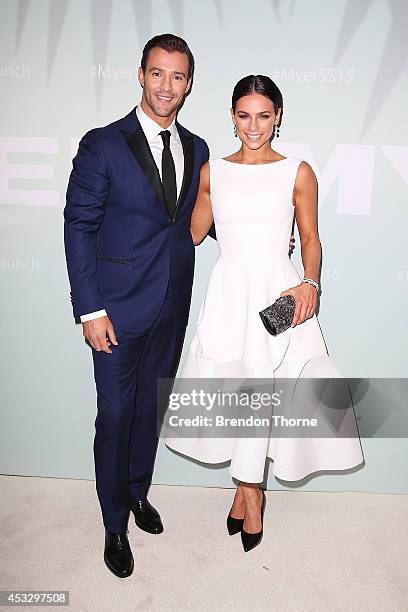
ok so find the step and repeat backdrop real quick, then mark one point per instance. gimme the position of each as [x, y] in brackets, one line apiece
[67, 66]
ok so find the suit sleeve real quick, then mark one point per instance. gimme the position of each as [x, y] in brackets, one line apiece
[86, 197]
[211, 231]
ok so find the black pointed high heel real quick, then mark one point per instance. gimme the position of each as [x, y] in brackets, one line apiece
[250, 540]
[234, 525]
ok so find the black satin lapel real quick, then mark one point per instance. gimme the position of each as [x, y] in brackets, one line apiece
[188, 153]
[140, 148]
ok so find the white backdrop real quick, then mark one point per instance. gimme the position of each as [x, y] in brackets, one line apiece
[70, 65]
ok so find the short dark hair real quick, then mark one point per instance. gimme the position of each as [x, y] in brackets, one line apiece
[258, 84]
[170, 43]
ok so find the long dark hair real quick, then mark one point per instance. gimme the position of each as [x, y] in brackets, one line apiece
[258, 83]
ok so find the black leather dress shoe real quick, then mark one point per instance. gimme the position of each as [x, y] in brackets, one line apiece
[146, 516]
[118, 556]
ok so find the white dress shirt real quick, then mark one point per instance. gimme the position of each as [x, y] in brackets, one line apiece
[152, 131]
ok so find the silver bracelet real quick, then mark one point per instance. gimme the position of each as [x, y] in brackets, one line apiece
[311, 282]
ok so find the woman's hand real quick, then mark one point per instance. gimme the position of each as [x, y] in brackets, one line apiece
[306, 301]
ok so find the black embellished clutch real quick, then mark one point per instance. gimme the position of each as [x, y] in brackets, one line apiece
[278, 317]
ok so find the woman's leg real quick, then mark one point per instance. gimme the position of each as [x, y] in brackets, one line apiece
[247, 505]
[238, 505]
[252, 495]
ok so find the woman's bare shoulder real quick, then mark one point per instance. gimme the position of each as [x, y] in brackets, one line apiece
[305, 175]
[305, 169]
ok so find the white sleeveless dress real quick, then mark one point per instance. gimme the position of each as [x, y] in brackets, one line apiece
[253, 213]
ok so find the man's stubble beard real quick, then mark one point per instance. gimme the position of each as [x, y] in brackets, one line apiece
[150, 101]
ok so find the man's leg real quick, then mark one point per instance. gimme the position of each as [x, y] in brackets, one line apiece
[159, 359]
[116, 377]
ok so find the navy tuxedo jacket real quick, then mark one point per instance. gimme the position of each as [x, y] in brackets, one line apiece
[122, 245]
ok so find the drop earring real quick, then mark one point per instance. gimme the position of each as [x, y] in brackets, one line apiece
[276, 131]
[235, 131]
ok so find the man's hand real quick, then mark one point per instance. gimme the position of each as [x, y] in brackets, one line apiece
[291, 244]
[99, 333]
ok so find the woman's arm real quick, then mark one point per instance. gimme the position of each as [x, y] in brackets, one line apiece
[305, 201]
[305, 195]
[202, 217]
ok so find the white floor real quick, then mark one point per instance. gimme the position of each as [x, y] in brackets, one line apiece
[320, 551]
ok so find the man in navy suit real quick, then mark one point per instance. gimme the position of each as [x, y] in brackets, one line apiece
[130, 260]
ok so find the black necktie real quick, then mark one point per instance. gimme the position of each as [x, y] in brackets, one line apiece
[168, 174]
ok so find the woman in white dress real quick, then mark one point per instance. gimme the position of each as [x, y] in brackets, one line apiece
[252, 197]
